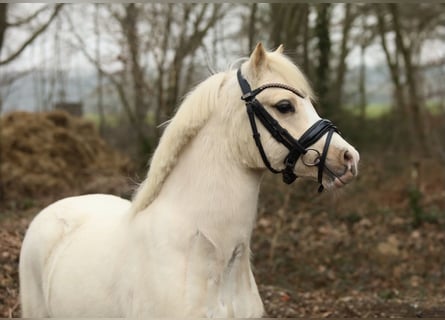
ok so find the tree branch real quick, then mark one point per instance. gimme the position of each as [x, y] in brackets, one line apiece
[33, 37]
[120, 87]
[27, 19]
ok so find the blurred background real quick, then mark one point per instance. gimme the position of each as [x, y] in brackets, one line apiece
[85, 87]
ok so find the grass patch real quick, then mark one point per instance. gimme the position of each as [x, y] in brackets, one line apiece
[114, 120]
[372, 111]
[111, 120]
[435, 107]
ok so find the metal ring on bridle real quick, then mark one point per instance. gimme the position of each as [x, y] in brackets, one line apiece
[317, 158]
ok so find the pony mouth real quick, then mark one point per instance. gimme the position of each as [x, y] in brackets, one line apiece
[334, 177]
[339, 180]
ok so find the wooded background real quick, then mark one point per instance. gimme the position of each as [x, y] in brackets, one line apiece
[373, 249]
[136, 61]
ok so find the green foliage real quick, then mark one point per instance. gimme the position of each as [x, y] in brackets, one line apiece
[111, 120]
[351, 217]
[420, 213]
[415, 197]
[147, 147]
[23, 205]
[387, 294]
[372, 110]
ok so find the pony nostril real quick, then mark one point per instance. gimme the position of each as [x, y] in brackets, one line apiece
[348, 157]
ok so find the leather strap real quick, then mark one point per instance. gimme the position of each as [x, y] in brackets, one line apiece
[296, 147]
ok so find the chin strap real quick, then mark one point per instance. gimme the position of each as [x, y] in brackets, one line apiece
[296, 147]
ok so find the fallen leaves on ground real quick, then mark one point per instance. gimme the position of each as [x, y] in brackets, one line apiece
[370, 250]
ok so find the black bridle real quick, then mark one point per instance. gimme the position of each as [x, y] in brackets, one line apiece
[296, 147]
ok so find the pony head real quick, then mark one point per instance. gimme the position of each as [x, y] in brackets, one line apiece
[216, 104]
[282, 91]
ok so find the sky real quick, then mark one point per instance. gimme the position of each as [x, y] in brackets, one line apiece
[52, 50]
[42, 50]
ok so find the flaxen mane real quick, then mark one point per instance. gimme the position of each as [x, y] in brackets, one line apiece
[189, 119]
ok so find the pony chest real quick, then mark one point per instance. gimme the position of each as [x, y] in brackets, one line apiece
[217, 283]
[207, 280]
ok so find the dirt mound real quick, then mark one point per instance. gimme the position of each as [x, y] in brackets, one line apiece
[53, 154]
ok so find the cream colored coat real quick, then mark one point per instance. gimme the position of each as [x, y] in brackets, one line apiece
[181, 248]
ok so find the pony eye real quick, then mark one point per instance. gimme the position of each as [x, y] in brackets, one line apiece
[285, 106]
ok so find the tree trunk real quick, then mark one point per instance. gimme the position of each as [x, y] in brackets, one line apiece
[160, 64]
[362, 85]
[252, 28]
[139, 88]
[288, 21]
[306, 66]
[276, 18]
[414, 101]
[2, 190]
[399, 112]
[3, 22]
[344, 51]
[324, 55]
[3, 26]
[100, 104]
[188, 43]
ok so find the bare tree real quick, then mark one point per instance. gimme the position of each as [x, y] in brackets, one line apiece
[252, 26]
[410, 72]
[288, 26]
[100, 103]
[5, 25]
[410, 26]
[197, 20]
[322, 70]
[365, 36]
[169, 36]
[132, 94]
[305, 41]
[362, 75]
[129, 22]
[3, 22]
[349, 17]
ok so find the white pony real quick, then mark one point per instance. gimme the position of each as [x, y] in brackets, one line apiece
[182, 246]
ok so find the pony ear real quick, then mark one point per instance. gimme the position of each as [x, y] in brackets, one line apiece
[258, 56]
[280, 49]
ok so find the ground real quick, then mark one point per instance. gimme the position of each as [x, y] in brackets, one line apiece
[374, 249]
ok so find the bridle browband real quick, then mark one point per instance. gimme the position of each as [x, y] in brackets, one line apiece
[296, 147]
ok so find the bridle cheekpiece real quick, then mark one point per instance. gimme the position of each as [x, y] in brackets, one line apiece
[297, 147]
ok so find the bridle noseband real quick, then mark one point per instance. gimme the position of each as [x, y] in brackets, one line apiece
[296, 147]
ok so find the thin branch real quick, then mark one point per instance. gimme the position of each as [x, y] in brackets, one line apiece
[393, 67]
[27, 19]
[33, 37]
[110, 76]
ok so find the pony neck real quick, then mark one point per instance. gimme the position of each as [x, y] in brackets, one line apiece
[210, 189]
